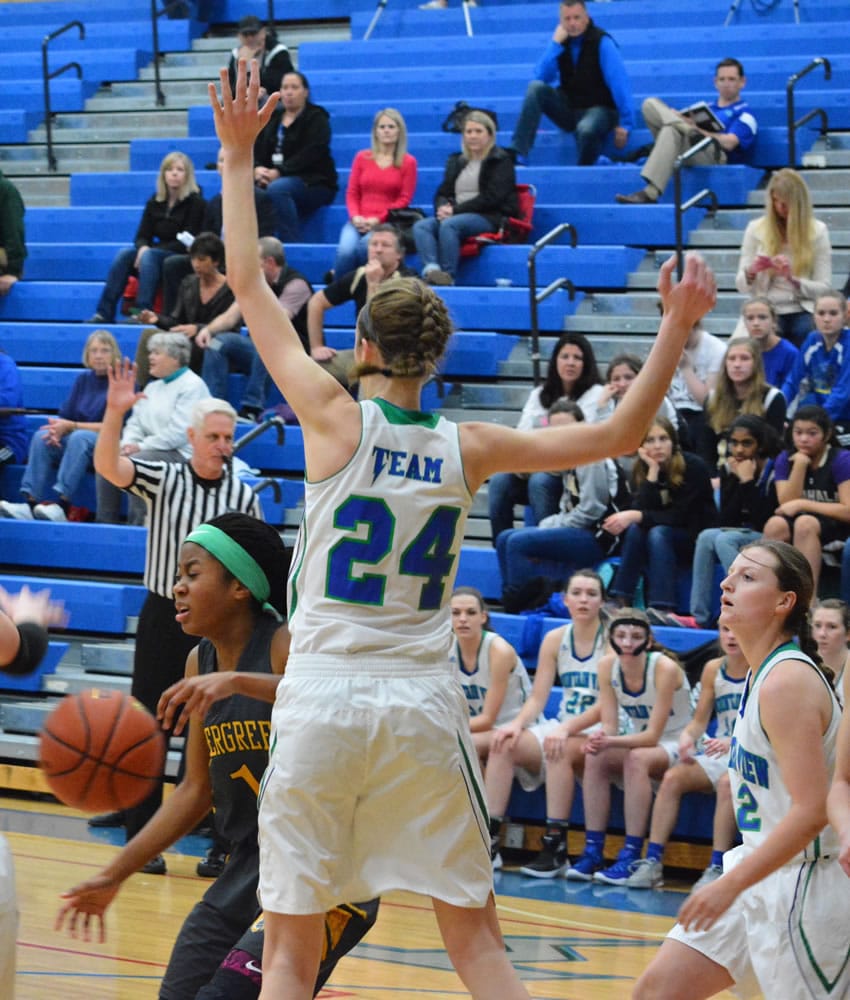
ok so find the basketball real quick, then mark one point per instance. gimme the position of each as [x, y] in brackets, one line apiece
[101, 751]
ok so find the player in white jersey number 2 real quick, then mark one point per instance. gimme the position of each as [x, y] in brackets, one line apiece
[775, 923]
[372, 778]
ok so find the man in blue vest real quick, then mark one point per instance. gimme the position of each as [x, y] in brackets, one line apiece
[591, 96]
[728, 120]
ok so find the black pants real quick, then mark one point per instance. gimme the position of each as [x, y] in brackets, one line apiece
[159, 661]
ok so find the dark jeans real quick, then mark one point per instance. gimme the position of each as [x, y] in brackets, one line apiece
[231, 352]
[590, 125]
[505, 490]
[293, 201]
[796, 326]
[553, 553]
[150, 274]
[657, 554]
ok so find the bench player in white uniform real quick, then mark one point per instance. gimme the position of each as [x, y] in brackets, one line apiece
[653, 691]
[703, 767]
[372, 778]
[830, 620]
[775, 923]
[490, 671]
[551, 749]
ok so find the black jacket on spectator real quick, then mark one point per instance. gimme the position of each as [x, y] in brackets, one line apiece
[160, 225]
[497, 198]
[747, 505]
[690, 506]
[266, 215]
[306, 147]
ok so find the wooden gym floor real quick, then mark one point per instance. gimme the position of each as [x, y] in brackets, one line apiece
[569, 941]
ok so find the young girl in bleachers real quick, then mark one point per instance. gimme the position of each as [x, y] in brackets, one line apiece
[653, 691]
[813, 487]
[702, 767]
[551, 749]
[761, 322]
[493, 676]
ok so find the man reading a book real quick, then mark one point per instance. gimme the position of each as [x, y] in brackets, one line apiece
[728, 120]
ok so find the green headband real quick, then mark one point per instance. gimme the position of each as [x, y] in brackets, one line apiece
[235, 559]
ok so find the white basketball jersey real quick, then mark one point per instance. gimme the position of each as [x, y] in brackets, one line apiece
[759, 795]
[476, 683]
[578, 675]
[638, 705]
[377, 551]
[727, 698]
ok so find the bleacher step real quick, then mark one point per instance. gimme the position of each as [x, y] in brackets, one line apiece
[108, 658]
[23, 749]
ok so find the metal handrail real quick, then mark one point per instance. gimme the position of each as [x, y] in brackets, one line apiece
[793, 125]
[47, 77]
[255, 432]
[155, 16]
[534, 298]
[269, 483]
[681, 207]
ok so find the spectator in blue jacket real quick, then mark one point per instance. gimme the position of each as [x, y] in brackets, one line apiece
[580, 83]
[675, 132]
[821, 373]
[761, 322]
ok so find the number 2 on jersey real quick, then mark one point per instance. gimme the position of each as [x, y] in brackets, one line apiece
[429, 555]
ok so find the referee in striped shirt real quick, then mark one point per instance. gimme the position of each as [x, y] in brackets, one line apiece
[179, 496]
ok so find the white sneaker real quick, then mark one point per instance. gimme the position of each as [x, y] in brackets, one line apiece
[433, 5]
[711, 874]
[646, 874]
[17, 511]
[49, 512]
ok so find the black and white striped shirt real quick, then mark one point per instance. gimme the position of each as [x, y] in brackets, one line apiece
[179, 500]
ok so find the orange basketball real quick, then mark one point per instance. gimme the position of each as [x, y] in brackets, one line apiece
[101, 751]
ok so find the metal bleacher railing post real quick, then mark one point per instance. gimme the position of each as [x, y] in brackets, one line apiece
[534, 298]
[793, 125]
[681, 207]
[47, 77]
[381, 7]
[155, 16]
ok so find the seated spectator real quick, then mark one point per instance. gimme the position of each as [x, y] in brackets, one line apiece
[653, 691]
[702, 766]
[580, 84]
[813, 488]
[205, 304]
[786, 255]
[382, 178]
[67, 441]
[821, 373]
[830, 628]
[13, 248]
[747, 500]
[292, 157]
[534, 561]
[761, 322]
[535, 749]
[571, 374]
[170, 221]
[385, 262]
[258, 41]
[156, 429]
[696, 376]
[675, 132]
[672, 501]
[489, 669]
[477, 191]
[231, 352]
[179, 266]
[13, 427]
[740, 388]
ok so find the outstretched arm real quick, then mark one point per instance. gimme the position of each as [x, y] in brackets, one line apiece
[317, 398]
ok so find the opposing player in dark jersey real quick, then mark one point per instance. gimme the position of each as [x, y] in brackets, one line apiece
[230, 589]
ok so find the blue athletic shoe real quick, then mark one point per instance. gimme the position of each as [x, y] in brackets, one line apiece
[620, 871]
[583, 869]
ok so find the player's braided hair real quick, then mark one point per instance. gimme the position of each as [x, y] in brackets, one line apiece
[409, 324]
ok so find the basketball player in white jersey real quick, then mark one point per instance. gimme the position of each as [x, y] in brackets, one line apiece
[775, 923]
[551, 750]
[372, 778]
[702, 767]
[490, 670]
